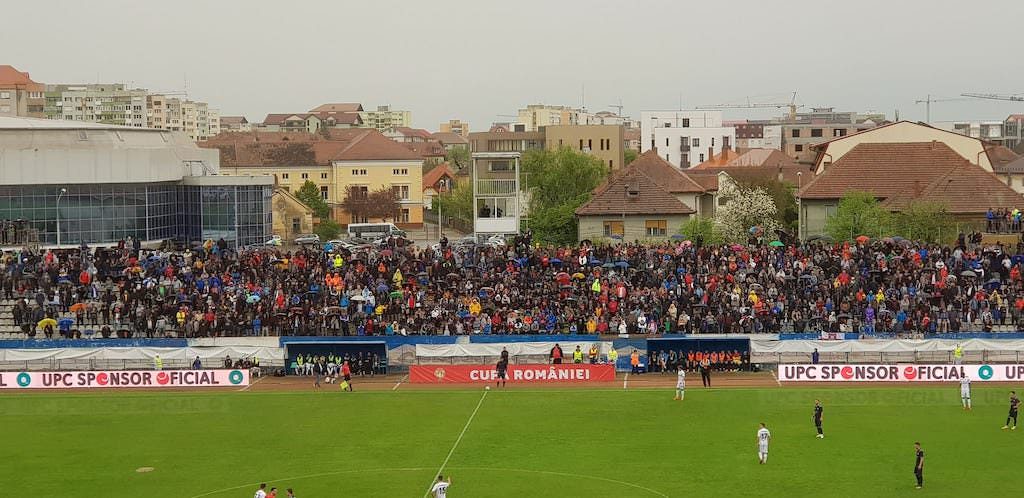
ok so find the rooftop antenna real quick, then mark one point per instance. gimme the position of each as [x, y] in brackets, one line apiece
[618, 108]
[680, 101]
[583, 96]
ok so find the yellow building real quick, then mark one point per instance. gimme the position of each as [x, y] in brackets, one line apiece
[333, 161]
[456, 126]
[603, 141]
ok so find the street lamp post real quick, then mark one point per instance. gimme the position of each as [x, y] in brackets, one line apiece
[799, 206]
[61, 194]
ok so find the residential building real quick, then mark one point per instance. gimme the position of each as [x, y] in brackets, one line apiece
[97, 103]
[499, 139]
[405, 134]
[603, 141]
[75, 182]
[438, 180]
[234, 123]
[385, 117]
[535, 116]
[755, 164]
[758, 136]
[450, 140]
[685, 138]
[498, 201]
[610, 118]
[195, 119]
[290, 216]
[973, 150]
[338, 107]
[456, 126]
[1009, 132]
[1013, 132]
[334, 160]
[899, 173]
[1012, 174]
[631, 139]
[820, 125]
[648, 199]
[19, 95]
[432, 152]
[310, 122]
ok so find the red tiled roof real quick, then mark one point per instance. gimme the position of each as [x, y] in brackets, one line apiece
[338, 107]
[449, 138]
[12, 78]
[350, 118]
[721, 159]
[426, 149]
[900, 172]
[1000, 156]
[413, 132]
[337, 144]
[664, 173]
[433, 176]
[707, 178]
[374, 146]
[612, 197]
[631, 134]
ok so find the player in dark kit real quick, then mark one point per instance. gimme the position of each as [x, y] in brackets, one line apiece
[817, 418]
[502, 369]
[919, 464]
[1014, 403]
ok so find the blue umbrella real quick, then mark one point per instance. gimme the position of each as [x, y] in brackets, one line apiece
[555, 261]
[678, 237]
[594, 262]
[253, 299]
[621, 264]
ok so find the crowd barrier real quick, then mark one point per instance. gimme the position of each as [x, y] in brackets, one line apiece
[124, 379]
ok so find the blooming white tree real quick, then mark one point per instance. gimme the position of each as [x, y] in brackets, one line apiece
[741, 208]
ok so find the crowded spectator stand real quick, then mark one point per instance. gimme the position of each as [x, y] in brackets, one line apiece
[886, 286]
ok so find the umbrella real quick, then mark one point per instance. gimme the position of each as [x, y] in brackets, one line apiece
[756, 287]
[421, 274]
[578, 276]
[968, 273]
[616, 237]
[621, 264]
[843, 316]
[66, 322]
[862, 239]
[678, 237]
[395, 294]
[75, 308]
[992, 284]
[776, 243]
[46, 321]
[736, 247]
[594, 262]
[565, 287]
[555, 261]
[358, 298]
[608, 265]
[333, 310]
[253, 299]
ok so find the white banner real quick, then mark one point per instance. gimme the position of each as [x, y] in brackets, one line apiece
[899, 373]
[885, 346]
[123, 379]
[514, 349]
[832, 336]
[204, 353]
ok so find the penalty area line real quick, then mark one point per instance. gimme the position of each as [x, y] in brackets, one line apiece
[625, 381]
[458, 440]
[776, 377]
[253, 383]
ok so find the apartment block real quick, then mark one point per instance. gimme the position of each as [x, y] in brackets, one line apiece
[97, 103]
[685, 138]
[536, 116]
[385, 117]
[19, 95]
[195, 119]
[456, 126]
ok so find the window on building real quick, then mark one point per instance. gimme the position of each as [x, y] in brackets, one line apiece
[402, 191]
[305, 176]
[656, 228]
[798, 148]
[666, 142]
[358, 172]
[590, 144]
[613, 228]
[323, 176]
[296, 225]
[611, 164]
[712, 141]
[400, 171]
[5, 95]
[284, 176]
[839, 132]
[702, 158]
[404, 217]
[324, 193]
[360, 191]
[815, 132]
[685, 161]
[796, 132]
[695, 142]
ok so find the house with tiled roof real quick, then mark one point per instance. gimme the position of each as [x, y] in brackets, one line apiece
[438, 180]
[450, 140]
[900, 173]
[334, 160]
[407, 135]
[19, 95]
[754, 164]
[310, 122]
[432, 152]
[648, 199]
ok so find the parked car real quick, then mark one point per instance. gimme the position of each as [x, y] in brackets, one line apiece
[307, 239]
[274, 241]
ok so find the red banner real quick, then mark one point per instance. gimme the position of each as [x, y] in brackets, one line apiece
[472, 374]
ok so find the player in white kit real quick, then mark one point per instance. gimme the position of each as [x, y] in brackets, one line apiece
[440, 489]
[965, 392]
[763, 437]
[681, 383]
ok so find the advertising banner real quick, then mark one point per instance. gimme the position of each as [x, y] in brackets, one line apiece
[900, 373]
[124, 379]
[468, 374]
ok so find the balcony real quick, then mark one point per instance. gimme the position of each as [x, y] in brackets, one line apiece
[495, 187]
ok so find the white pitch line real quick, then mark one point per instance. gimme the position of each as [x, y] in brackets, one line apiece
[625, 381]
[253, 383]
[400, 381]
[457, 441]
[777, 381]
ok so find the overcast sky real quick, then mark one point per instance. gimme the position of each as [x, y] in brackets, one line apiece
[477, 60]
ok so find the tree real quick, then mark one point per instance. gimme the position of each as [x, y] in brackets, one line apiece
[309, 194]
[630, 155]
[458, 158]
[858, 214]
[327, 229]
[926, 221]
[456, 204]
[384, 203]
[743, 207]
[559, 182]
[356, 202]
[781, 192]
[697, 227]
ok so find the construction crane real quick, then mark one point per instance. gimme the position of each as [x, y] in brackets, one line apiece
[995, 96]
[927, 101]
[791, 105]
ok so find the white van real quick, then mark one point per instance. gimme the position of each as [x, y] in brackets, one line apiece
[371, 231]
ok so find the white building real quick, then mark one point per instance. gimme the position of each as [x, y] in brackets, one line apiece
[536, 116]
[685, 138]
[97, 103]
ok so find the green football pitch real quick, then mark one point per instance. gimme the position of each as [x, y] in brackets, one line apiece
[514, 443]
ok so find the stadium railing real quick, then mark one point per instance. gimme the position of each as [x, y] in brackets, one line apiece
[974, 356]
[95, 364]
